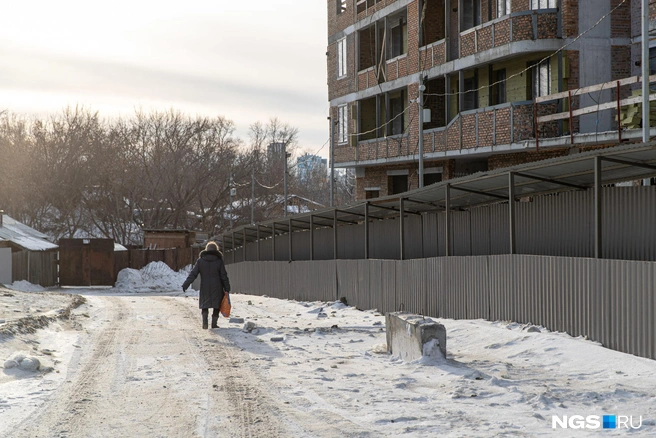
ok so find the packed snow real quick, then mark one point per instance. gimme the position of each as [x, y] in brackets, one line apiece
[25, 286]
[328, 363]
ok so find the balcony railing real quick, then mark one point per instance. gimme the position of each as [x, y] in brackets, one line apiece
[484, 127]
[518, 26]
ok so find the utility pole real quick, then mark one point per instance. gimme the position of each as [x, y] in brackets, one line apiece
[253, 195]
[422, 88]
[332, 162]
[230, 189]
[284, 150]
[645, 70]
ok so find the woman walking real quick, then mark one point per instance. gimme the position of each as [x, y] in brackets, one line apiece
[213, 282]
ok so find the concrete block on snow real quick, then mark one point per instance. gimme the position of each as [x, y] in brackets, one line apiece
[408, 333]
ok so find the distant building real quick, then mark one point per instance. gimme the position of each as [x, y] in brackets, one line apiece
[307, 164]
[276, 150]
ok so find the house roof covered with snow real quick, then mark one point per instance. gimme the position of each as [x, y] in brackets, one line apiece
[21, 235]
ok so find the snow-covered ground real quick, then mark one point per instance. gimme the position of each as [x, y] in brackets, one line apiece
[326, 366]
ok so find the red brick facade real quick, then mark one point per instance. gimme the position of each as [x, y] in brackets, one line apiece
[474, 134]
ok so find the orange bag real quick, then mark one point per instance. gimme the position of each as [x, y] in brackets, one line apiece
[225, 305]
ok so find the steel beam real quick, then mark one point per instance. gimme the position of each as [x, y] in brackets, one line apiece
[401, 230]
[447, 239]
[511, 210]
[550, 180]
[311, 237]
[366, 230]
[290, 240]
[597, 208]
[335, 234]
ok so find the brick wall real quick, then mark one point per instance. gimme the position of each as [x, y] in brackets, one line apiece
[342, 86]
[547, 26]
[338, 22]
[620, 24]
[572, 82]
[377, 176]
[520, 5]
[522, 28]
[570, 18]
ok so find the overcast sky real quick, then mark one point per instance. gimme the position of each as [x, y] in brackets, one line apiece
[245, 60]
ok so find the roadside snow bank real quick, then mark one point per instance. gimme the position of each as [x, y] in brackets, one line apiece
[155, 276]
[25, 286]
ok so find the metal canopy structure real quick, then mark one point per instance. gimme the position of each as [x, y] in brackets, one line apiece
[581, 171]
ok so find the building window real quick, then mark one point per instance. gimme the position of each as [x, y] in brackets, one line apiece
[498, 94]
[342, 117]
[371, 193]
[398, 184]
[543, 4]
[503, 8]
[341, 58]
[432, 178]
[398, 36]
[652, 60]
[397, 106]
[341, 6]
[471, 14]
[540, 79]
[470, 98]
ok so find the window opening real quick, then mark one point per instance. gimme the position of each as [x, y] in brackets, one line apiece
[503, 8]
[371, 194]
[541, 79]
[432, 178]
[341, 6]
[470, 98]
[543, 4]
[498, 95]
[471, 14]
[342, 117]
[341, 58]
[397, 113]
[398, 183]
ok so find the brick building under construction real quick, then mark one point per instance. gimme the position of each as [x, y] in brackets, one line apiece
[486, 66]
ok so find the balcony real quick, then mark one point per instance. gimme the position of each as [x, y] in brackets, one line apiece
[519, 26]
[470, 132]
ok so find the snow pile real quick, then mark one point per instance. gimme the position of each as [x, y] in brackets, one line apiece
[23, 362]
[156, 276]
[25, 286]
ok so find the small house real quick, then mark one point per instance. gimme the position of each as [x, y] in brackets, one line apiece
[26, 254]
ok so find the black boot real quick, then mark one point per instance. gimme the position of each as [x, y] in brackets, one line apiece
[204, 313]
[215, 321]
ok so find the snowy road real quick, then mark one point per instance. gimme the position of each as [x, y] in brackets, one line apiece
[139, 365]
[147, 369]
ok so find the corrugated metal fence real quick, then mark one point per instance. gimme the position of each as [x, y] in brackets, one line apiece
[610, 301]
[561, 224]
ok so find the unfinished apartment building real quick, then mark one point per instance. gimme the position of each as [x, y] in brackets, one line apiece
[486, 66]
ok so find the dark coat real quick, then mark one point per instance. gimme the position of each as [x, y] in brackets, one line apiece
[213, 279]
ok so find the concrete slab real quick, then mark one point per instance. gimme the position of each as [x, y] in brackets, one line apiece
[408, 333]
